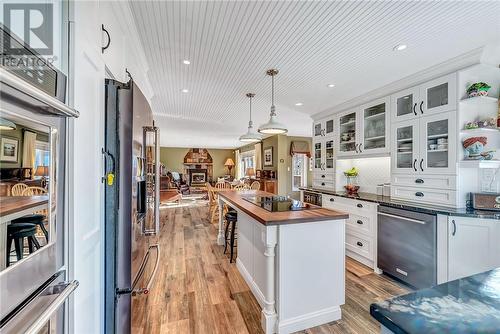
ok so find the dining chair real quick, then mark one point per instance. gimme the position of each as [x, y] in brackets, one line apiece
[223, 185]
[17, 189]
[240, 187]
[255, 185]
[34, 191]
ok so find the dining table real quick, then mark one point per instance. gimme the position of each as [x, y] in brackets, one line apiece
[13, 207]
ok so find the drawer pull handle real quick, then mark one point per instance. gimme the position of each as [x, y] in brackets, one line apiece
[419, 181]
[360, 222]
[323, 176]
[419, 194]
[359, 243]
[359, 205]
[322, 183]
[332, 199]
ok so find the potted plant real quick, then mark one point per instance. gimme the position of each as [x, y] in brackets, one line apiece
[478, 89]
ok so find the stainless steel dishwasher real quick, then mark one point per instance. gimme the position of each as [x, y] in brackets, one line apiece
[406, 246]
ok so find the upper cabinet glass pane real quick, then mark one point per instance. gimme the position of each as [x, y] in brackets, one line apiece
[348, 132]
[404, 105]
[317, 129]
[437, 96]
[329, 126]
[404, 157]
[26, 164]
[317, 155]
[437, 144]
[329, 157]
[374, 127]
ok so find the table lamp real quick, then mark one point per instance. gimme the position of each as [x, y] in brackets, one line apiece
[42, 171]
[250, 172]
[229, 164]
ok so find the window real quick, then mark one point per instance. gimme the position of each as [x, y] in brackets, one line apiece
[247, 160]
[299, 171]
[42, 154]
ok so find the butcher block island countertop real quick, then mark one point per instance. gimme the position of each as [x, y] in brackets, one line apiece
[274, 218]
[293, 261]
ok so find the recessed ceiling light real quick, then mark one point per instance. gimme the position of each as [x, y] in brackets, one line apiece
[185, 90]
[186, 62]
[400, 47]
[298, 104]
[330, 85]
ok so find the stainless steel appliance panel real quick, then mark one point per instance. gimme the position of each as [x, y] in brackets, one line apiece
[406, 246]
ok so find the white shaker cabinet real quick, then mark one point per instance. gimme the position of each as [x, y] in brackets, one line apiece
[473, 246]
[435, 96]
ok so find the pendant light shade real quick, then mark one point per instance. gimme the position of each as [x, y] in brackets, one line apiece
[273, 126]
[251, 136]
[5, 124]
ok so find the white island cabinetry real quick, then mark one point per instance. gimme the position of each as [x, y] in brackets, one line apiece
[294, 263]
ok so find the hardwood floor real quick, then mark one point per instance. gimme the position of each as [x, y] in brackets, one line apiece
[198, 291]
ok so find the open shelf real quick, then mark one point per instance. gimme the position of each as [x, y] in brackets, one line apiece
[438, 150]
[480, 130]
[479, 100]
[480, 163]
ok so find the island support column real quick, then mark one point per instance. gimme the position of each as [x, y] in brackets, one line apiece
[221, 240]
[269, 315]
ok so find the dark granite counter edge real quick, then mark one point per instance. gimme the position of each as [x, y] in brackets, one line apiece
[385, 321]
[423, 208]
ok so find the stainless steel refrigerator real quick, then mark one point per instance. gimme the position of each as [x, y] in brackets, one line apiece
[132, 217]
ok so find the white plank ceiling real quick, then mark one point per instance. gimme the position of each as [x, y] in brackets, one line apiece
[230, 44]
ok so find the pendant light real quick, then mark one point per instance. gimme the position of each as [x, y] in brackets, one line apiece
[5, 124]
[273, 126]
[250, 136]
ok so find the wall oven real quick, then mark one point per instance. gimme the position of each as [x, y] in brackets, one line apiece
[33, 255]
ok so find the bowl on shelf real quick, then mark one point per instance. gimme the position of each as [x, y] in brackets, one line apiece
[433, 146]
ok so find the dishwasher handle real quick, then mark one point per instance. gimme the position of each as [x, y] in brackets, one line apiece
[403, 218]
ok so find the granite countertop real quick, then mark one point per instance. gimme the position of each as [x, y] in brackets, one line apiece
[467, 305]
[424, 208]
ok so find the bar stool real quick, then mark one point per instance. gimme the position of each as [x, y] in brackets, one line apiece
[17, 233]
[37, 219]
[231, 218]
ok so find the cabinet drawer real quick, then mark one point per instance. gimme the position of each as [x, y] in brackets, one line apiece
[359, 245]
[356, 205]
[425, 195]
[425, 181]
[360, 224]
[323, 176]
[323, 184]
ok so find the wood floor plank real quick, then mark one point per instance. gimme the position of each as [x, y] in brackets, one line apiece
[197, 290]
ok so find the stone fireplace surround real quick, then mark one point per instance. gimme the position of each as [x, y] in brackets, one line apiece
[198, 160]
[192, 173]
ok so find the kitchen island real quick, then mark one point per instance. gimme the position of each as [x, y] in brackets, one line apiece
[293, 261]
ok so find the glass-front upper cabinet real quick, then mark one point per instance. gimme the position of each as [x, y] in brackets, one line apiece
[329, 164]
[347, 133]
[438, 95]
[375, 127]
[405, 144]
[318, 155]
[323, 128]
[435, 96]
[404, 104]
[437, 144]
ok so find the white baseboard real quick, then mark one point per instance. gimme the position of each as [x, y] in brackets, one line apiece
[360, 259]
[309, 320]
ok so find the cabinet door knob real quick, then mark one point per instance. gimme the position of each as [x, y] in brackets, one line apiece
[454, 228]
[359, 205]
[419, 181]
[360, 222]
[419, 194]
[332, 199]
[359, 243]
[421, 107]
